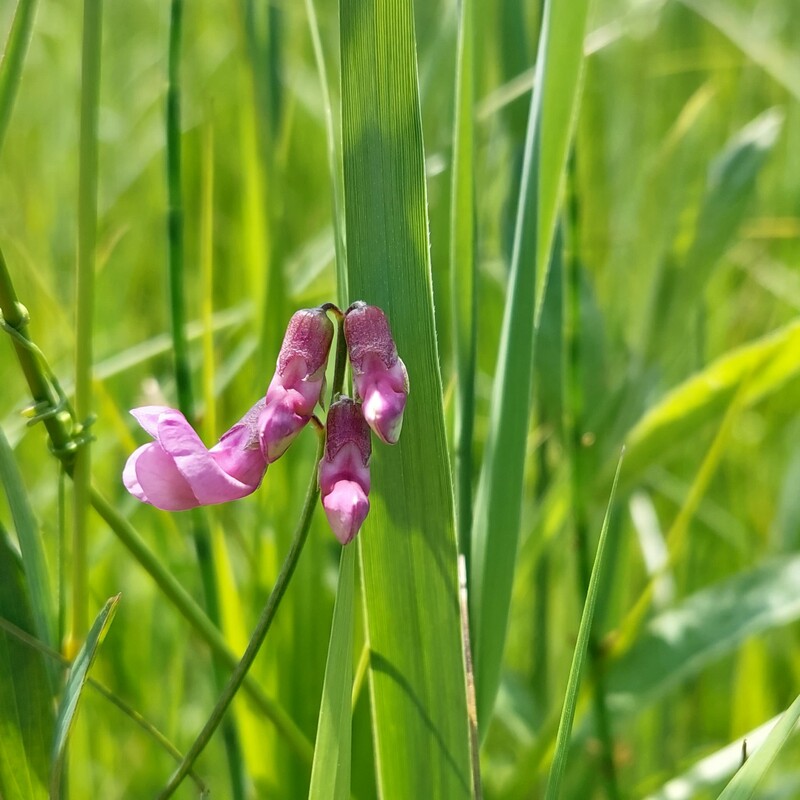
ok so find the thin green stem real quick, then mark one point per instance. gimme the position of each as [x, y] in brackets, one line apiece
[573, 414]
[87, 240]
[11, 67]
[259, 633]
[183, 379]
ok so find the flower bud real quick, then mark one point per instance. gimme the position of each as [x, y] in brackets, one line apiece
[344, 469]
[379, 375]
[176, 471]
[298, 382]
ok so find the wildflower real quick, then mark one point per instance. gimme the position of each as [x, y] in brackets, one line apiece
[177, 471]
[379, 375]
[344, 469]
[299, 380]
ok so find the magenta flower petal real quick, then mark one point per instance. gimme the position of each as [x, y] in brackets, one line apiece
[177, 471]
[298, 383]
[344, 480]
[379, 375]
[346, 507]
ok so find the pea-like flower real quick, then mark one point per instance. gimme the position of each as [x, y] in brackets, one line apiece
[299, 380]
[344, 469]
[379, 375]
[176, 471]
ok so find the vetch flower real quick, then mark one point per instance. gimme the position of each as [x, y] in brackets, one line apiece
[176, 471]
[379, 375]
[299, 380]
[344, 469]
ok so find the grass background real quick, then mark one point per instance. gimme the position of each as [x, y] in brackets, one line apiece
[667, 323]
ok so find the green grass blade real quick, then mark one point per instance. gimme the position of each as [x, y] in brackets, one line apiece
[746, 780]
[497, 507]
[678, 643]
[78, 674]
[330, 773]
[11, 66]
[30, 544]
[407, 546]
[579, 656]
[26, 715]
[463, 275]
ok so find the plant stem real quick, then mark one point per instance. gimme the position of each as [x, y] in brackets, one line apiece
[573, 413]
[11, 68]
[87, 239]
[183, 379]
[259, 633]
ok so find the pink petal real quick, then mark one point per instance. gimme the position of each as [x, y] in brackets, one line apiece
[158, 480]
[346, 508]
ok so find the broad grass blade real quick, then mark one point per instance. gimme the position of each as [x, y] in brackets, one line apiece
[26, 715]
[579, 656]
[330, 773]
[746, 780]
[78, 675]
[678, 643]
[407, 547]
[497, 508]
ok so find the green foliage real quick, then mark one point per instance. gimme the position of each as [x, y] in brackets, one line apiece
[581, 219]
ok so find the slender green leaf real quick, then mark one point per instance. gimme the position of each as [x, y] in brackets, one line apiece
[746, 780]
[711, 771]
[497, 507]
[30, 544]
[579, 656]
[407, 546]
[330, 773]
[26, 715]
[13, 59]
[680, 642]
[78, 674]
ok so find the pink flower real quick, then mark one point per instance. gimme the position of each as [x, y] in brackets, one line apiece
[379, 376]
[177, 471]
[298, 382]
[344, 469]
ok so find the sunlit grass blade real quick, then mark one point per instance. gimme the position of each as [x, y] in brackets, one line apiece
[26, 713]
[13, 58]
[78, 674]
[681, 641]
[579, 656]
[745, 782]
[330, 773]
[30, 544]
[497, 506]
[408, 546]
[709, 772]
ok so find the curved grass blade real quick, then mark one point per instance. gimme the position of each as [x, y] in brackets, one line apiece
[78, 675]
[13, 58]
[497, 506]
[579, 656]
[330, 773]
[26, 715]
[746, 780]
[407, 546]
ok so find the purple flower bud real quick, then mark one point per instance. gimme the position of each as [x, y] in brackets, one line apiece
[298, 382]
[379, 376]
[344, 469]
[177, 471]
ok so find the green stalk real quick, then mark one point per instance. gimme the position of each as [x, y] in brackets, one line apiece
[573, 414]
[58, 421]
[259, 633]
[11, 67]
[183, 379]
[463, 275]
[87, 240]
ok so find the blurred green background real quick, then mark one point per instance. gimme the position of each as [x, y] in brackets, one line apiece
[683, 221]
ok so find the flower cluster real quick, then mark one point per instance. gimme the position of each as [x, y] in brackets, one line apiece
[176, 471]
